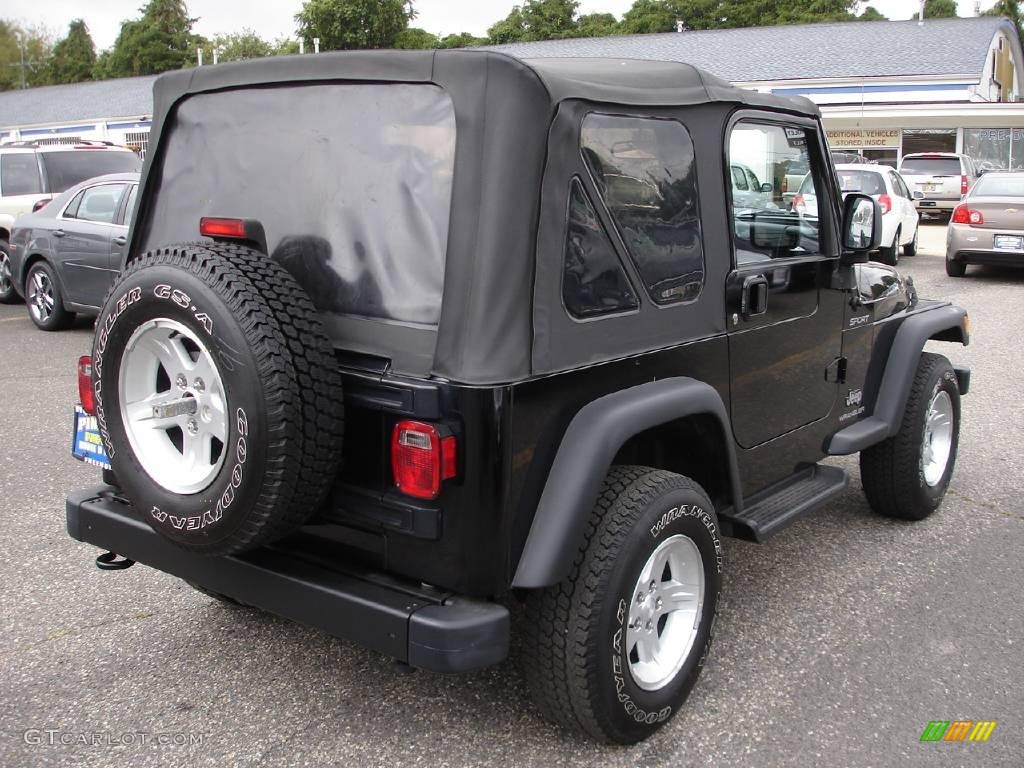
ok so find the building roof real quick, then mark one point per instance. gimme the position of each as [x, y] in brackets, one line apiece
[78, 102]
[952, 47]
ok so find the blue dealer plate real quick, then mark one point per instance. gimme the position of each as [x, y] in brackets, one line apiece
[87, 444]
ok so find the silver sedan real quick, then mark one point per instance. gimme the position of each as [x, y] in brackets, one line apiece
[987, 227]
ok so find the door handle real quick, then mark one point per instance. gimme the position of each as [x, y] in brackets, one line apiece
[58, 233]
[120, 240]
[754, 296]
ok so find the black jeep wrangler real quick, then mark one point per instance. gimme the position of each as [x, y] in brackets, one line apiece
[405, 339]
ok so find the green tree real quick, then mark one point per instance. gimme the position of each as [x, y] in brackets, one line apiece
[872, 14]
[662, 15]
[239, 46]
[24, 55]
[73, 58]
[596, 25]
[536, 20]
[462, 40]
[940, 9]
[159, 41]
[648, 16]
[1010, 9]
[415, 38]
[285, 46]
[348, 24]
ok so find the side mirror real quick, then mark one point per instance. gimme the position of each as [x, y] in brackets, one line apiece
[766, 187]
[862, 226]
[918, 194]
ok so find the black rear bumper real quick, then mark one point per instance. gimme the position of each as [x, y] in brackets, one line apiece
[299, 579]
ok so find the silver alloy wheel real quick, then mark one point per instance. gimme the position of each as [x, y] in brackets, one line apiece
[173, 406]
[938, 437]
[5, 274]
[41, 296]
[664, 612]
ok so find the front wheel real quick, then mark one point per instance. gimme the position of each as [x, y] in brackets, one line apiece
[45, 300]
[614, 650]
[910, 249]
[891, 255]
[7, 293]
[906, 476]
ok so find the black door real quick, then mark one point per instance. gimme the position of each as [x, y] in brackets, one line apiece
[784, 323]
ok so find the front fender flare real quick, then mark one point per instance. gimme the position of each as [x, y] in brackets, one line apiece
[945, 323]
[589, 445]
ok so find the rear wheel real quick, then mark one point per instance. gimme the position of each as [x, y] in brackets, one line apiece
[955, 268]
[218, 397]
[7, 293]
[891, 255]
[614, 650]
[906, 476]
[910, 249]
[45, 299]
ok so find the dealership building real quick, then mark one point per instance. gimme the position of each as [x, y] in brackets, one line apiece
[885, 88]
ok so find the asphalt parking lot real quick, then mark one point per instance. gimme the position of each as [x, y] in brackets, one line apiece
[838, 641]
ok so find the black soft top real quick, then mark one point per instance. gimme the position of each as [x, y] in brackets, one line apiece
[504, 109]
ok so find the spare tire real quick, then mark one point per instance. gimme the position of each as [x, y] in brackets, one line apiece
[218, 396]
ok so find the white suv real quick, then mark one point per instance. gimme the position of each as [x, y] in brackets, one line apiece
[942, 178]
[31, 174]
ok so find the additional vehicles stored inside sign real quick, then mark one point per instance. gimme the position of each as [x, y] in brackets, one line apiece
[423, 368]
[988, 226]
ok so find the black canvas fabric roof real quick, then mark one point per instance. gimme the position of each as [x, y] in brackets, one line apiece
[504, 109]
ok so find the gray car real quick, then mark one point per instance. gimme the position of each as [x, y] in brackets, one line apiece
[942, 178]
[988, 226]
[65, 256]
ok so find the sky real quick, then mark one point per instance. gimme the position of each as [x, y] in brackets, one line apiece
[272, 19]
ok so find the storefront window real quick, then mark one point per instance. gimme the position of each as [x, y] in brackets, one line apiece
[995, 148]
[928, 140]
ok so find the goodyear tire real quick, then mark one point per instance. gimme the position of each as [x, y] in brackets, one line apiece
[217, 396]
[615, 649]
[906, 476]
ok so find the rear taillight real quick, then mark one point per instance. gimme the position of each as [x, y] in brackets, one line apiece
[963, 185]
[963, 214]
[886, 202]
[213, 227]
[39, 204]
[798, 203]
[421, 457]
[86, 397]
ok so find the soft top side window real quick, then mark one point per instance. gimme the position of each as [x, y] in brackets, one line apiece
[593, 280]
[643, 168]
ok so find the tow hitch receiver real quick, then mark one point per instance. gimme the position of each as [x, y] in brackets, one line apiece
[111, 561]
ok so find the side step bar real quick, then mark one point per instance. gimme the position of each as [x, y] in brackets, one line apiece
[777, 506]
[301, 579]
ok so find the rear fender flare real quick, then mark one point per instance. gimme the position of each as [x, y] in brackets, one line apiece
[589, 445]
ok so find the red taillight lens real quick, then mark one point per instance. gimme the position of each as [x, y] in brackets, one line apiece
[40, 204]
[421, 458]
[962, 214]
[886, 202]
[211, 227]
[798, 203]
[963, 185]
[86, 397]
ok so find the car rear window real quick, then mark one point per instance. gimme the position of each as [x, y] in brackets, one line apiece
[999, 186]
[352, 184]
[19, 174]
[930, 166]
[865, 182]
[65, 169]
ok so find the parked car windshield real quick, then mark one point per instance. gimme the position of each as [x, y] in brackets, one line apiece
[866, 182]
[1000, 186]
[65, 169]
[930, 166]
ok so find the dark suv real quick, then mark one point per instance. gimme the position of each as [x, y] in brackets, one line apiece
[486, 334]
